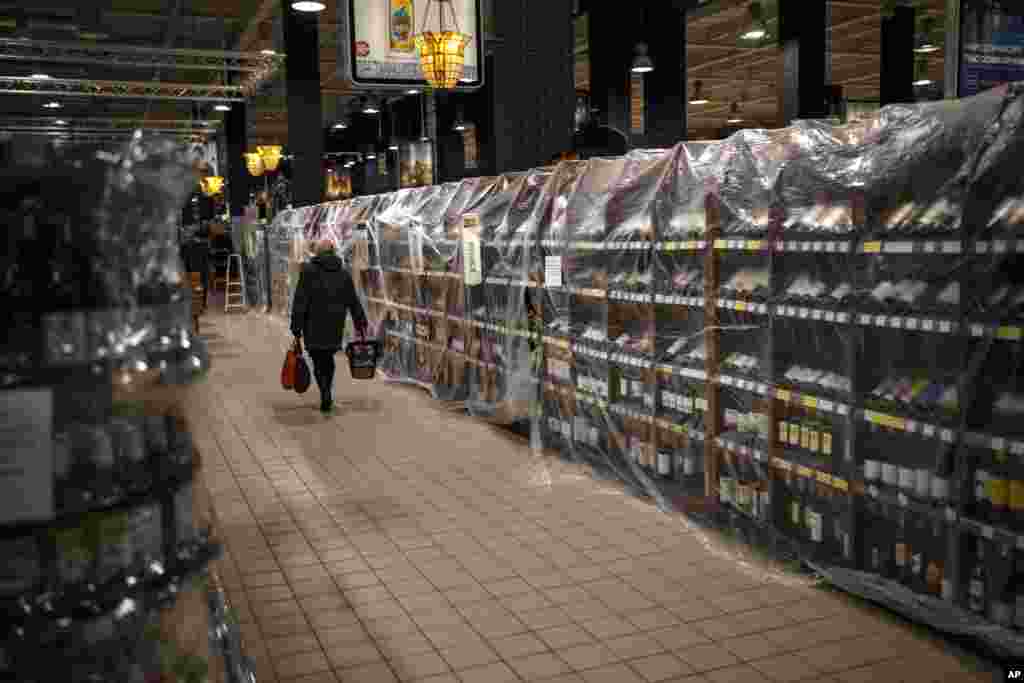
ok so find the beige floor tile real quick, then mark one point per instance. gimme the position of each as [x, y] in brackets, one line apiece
[508, 587]
[544, 618]
[404, 644]
[708, 657]
[368, 673]
[321, 677]
[498, 672]
[522, 645]
[291, 645]
[785, 668]
[342, 635]
[593, 656]
[659, 668]
[414, 667]
[652, 619]
[679, 637]
[561, 637]
[610, 627]
[615, 673]
[751, 647]
[469, 656]
[302, 664]
[348, 655]
[538, 666]
[736, 674]
[635, 646]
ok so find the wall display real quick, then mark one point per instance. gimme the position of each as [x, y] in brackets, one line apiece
[102, 534]
[991, 45]
[828, 362]
[376, 42]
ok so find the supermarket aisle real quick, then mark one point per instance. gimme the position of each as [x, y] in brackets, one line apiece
[396, 541]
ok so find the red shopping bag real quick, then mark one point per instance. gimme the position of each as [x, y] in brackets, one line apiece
[289, 370]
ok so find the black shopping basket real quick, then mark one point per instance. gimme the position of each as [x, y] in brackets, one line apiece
[362, 358]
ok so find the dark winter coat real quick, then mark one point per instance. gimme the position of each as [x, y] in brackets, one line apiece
[324, 297]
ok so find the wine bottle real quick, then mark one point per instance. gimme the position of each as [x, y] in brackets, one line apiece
[977, 585]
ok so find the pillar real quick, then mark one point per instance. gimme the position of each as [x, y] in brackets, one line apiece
[897, 76]
[531, 84]
[237, 174]
[615, 29]
[305, 108]
[802, 33]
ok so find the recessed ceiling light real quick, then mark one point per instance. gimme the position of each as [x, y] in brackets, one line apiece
[61, 122]
[412, 91]
[923, 82]
[223, 107]
[927, 48]
[393, 148]
[371, 156]
[340, 125]
[308, 6]
[40, 77]
[52, 105]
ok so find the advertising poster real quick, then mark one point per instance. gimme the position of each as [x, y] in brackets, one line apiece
[379, 39]
[992, 45]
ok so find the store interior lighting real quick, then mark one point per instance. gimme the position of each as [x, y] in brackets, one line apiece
[268, 52]
[340, 125]
[923, 43]
[757, 29]
[412, 91]
[52, 105]
[642, 63]
[734, 113]
[308, 6]
[40, 77]
[698, 97]
[223, 107]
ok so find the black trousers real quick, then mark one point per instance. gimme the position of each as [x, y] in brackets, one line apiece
[323, 370]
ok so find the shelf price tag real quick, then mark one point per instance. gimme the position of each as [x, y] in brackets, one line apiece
[805, 472]
[824, 478]
[872, 247]
[840, 484]
[1009, 333]
[809, 401]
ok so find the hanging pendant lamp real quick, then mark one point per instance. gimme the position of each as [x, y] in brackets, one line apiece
[442, 52]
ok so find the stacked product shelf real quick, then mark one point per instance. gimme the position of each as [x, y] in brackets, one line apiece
[768, 328]
[105, 531]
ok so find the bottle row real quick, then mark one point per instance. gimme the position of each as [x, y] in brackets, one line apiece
[99, 557]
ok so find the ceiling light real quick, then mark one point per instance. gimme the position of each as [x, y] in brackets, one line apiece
[40, 77]
[412, 91]
[920, 83]
[757, 29]
[642, 64]
[393, 148]
[340, 125]
[923, 43]
[222, 107]
[52, 105]
[308, 6]
[371, 155]
[734, 113]
[698, 94]
[61, 122]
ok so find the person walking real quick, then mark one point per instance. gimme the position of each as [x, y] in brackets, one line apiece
[323, 299]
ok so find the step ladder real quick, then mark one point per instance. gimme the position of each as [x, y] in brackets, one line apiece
[234, 289]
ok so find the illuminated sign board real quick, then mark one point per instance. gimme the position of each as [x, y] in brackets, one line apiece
[376, 41]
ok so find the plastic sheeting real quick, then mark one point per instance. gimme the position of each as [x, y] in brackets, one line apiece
[774, 319]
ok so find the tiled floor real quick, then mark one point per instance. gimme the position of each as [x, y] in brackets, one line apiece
[400, 541]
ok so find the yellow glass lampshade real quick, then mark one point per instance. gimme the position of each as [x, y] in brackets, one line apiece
[212, 185]
[254, 162]
[271, 156]
[442, 57]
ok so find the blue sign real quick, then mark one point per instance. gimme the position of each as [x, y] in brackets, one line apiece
[992, 46]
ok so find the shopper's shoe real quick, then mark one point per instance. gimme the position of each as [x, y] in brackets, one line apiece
[326, 407]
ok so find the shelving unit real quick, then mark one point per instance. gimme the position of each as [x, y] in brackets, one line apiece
[722, 345]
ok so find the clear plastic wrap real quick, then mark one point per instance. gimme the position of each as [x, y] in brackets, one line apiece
[765, 332]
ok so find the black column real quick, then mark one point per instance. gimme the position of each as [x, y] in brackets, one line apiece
[898, 57]
[237, 173]
[614, 29]
[802, 28]
[305, 109]
[533, 92]
[665, 88]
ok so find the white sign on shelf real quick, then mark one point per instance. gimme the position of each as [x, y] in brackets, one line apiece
[26, 456]
[472, 262]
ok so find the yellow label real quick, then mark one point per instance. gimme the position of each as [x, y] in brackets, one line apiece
[998, 491]
[840, 484]
[814, 443]
[810, 401]
[741, 305]
[872, 247]
[826, 443]
[783, 395]
[1009, 333]
[1017, 496]
[720, 244]
[805, 472]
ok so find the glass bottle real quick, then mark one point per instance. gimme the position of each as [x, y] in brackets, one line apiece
[977, 584]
